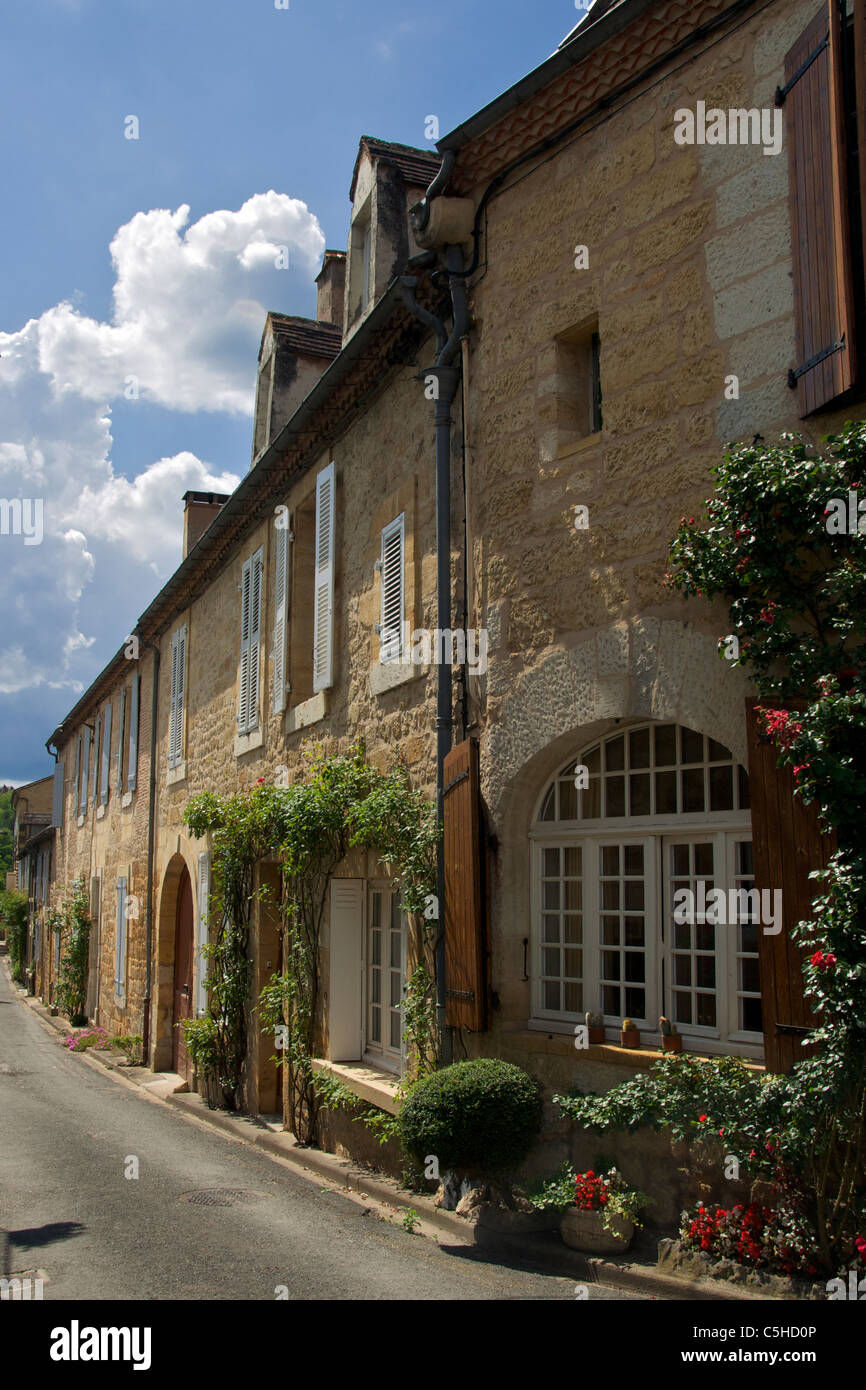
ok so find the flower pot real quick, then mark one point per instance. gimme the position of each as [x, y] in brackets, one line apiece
[583, 1230]
[630, 1038]
[672, 1042]
[596, 1035]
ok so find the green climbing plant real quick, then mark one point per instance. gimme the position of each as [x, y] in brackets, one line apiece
[71, 921]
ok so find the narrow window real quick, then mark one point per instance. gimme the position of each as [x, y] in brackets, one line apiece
[392, 569]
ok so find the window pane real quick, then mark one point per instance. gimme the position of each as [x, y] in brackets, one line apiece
[750, 977]
[610, 931]
[743, 787]
[572, 865]
[574, 964]
[666, 793]
[682, 1007]
[591, 802]
[567, 801]
[610, 965]
[610, 859]
[751, 1015]
[749, 938]
[634, 966]
[610, 1000]
[745, 858]
[573, 927]
[705, 936]
[706, 1010]
[396, 950]
[693, 789]
[634, 894]
[548, 810]
[682, 970]
[639, 748]
[551, 895]
[706, 971]
[639, 794]
[593, 762]
[718, 753]
[550, 961]
[721, 789]
[692, 745]
[573, 998]
[375, 1025]
[614, 754]
[635, 1002]
[395, 990]
[550, 927]
[614, 796]
[704, 860]
[666, 745]
[633, 859]
[573, 889]
[377, 948]
[634, 931]
[551, 995]
[682, 936]
[395, 1031]
[680, 860]
[610, 894]
[550, 862]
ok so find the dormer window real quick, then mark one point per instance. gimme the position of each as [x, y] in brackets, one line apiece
[361, 262]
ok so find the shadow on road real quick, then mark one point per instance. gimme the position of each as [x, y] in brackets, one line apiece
[31, 1238]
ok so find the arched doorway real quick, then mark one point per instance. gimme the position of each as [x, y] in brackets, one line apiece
[184, 944]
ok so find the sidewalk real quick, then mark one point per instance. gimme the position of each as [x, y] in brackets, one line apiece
[542, 1251]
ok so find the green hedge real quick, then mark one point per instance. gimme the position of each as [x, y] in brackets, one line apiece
[480, 1116]
[14, 911]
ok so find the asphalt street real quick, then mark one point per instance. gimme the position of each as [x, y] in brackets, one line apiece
[68, 1131]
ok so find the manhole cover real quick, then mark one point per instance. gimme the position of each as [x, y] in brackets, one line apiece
[224, 1197]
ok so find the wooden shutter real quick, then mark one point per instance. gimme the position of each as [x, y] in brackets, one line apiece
[281, 594]
[96, 748]
[132, 764]
[121, 734]
[257, 564]
[57, 801]
[860, 94]
[823, 288]
[203, 929]
[465, 946]
[85, 766]
[788, 845]
[391, 622]
[178, 687]
[346, 969]
[323, 601]
[92, 999]
[76, 786]
[120, 940]
[106, 755]
[244, 678]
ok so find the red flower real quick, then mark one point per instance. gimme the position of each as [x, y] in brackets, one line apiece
[701, 1119]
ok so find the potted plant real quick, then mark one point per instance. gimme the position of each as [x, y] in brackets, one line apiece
[671, 1039]
[629, 1035]
[604, 1213]
[595, 1026]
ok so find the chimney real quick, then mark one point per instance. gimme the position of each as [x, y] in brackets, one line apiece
[331, 281]
[199, 510]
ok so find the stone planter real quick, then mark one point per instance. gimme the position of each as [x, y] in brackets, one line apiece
[672, 1042]
[630, 1038]
[583, 1230]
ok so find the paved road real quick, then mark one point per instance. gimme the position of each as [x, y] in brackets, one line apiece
[66, 1133]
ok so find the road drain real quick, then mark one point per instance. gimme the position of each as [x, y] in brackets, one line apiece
[224, 1197]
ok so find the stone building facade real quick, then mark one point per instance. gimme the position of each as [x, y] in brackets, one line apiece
[636, 302]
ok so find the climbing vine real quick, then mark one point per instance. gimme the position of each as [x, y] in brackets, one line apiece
[344, 803]
[71, 921]
[14, 910]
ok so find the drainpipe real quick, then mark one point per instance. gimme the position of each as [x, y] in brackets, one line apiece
[447, 378]
[151, 818]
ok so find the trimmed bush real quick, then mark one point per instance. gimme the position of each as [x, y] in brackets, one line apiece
[479, 1116]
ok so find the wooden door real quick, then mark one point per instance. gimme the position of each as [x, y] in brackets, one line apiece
[183, 957]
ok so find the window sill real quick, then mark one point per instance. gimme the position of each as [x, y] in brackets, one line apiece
[246, 743]
[388, 675]
[377, 1087]
[126, 800]
[176, 774]
[577, 446]
[309, 712]
[541, 1035]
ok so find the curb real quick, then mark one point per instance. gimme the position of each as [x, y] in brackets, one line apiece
[542, 1252]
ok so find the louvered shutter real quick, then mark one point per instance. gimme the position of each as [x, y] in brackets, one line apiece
[788, 845]
[860, 96]
[346, 969]
[57, 801]
[172, 705]
[281, 597]
[465, 927]
[176, 704]
[256, 571]
[203, 928]
[96, 748]
[76, 785]
[323, 602]
[244, 679]
[85, 767]
[132, 764]
[121, 735]
[120, 940]
[391, 620]
[106, 755]
[814, 101]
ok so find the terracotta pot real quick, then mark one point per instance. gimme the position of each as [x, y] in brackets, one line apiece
[672, 1042]
[583, 1230]
[631, 1038]
[596, 1035]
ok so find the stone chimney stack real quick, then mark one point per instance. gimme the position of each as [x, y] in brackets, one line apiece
[199, 510]
[331, 281]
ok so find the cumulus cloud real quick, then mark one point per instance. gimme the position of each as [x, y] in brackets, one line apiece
[189, 308]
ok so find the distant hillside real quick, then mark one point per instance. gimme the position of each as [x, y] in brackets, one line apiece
[7, 818]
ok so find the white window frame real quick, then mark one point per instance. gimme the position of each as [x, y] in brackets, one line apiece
[177, 702]
[382, 1055]
[392, 573]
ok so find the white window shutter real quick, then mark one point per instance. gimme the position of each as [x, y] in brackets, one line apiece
[121, 730]
[85, 766]
[244, 679]
[346, 992]
[172, 706]
[106, 755]
[120, 940]
[256, 571]
[57, 802]
[391, 621]
[281, 595]
[323, 610]
[76, 785]
[132, 764]
[203, 900]
[96, 747]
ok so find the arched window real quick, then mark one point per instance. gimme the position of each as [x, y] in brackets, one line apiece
[643, 897]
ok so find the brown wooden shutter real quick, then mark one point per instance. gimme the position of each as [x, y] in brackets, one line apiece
[860, 92]
[823, 287]
[788, 845]
[465, 964]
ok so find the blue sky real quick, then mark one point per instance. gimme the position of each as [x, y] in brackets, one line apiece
[235, 100]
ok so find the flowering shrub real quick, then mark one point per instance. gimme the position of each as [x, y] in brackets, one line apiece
[610, 1194]
[776, 1239]
[85, 1038]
